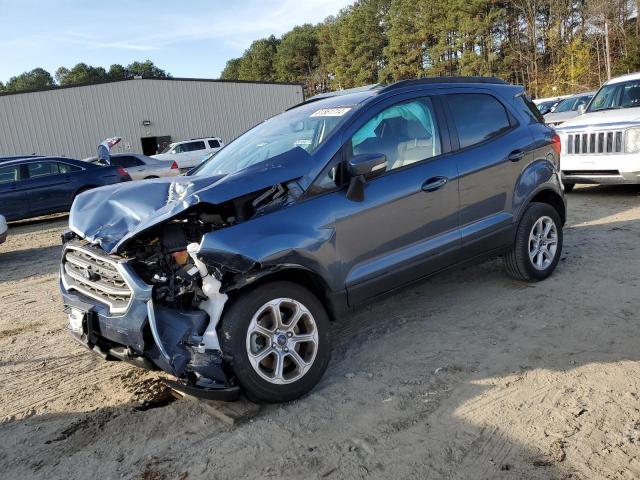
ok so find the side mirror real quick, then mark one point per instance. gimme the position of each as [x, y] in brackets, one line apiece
[581, 109]
[359, 166]
[366, 163]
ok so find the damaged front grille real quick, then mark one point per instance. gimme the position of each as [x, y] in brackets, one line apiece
[97, 277]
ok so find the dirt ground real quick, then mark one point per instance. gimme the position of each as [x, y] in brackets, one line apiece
[469, 375]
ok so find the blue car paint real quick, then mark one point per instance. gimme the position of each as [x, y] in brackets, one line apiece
[43, 195]
[354, 250]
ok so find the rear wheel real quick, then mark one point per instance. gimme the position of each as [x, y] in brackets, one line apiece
[538, 244]
[278, 341]
[568, 187]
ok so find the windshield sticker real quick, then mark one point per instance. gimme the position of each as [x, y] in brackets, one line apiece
[331, 112]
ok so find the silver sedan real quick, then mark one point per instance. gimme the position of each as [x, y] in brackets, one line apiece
[140, 167]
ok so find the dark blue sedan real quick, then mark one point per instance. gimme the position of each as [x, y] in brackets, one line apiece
[30, 187]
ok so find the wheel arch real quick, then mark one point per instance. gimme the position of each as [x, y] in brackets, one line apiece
[551, 197]
[298, 274]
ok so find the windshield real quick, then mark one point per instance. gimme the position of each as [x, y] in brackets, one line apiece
[168, 148]
[565, 105]
[306, 128]
[618, 95]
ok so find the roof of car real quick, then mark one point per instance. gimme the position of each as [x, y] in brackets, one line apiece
[624, 78]
[355, 96]
[40, 159]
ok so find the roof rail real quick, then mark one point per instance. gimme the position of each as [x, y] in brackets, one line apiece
[433, 80]
[337, 93]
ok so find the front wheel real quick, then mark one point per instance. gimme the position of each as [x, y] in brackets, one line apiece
[538, 244]
[278, 341]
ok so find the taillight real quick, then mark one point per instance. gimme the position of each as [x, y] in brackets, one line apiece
[555, 143]
[122, 172]
[174, 165]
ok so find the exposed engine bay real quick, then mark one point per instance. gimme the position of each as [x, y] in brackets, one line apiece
[161, 257]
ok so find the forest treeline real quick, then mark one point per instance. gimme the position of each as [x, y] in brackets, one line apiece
[80, 74]
[550, 46]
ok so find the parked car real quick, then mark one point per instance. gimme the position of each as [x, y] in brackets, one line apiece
[568, 108]
[138, 166]
[228, 277]
[603, 145]
[3, 229]
[30, 187]
[189, 154]
[545, 105]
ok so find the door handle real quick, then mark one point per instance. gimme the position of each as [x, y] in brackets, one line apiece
[434, 184]
[516, 155]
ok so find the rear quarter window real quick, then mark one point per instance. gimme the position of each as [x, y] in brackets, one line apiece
[530, 108]
[477, 117]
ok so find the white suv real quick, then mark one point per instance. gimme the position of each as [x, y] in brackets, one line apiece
[189, 154]
[602, 146]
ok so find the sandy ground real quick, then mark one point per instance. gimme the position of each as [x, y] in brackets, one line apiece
[469, 375]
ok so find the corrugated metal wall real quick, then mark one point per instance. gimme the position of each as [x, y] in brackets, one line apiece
[72, 121]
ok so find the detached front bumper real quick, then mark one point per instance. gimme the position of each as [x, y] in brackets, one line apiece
[137, 331]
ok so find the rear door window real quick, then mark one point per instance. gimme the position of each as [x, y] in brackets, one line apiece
[66, 168]
[9, 174]
[42, 169]
[478, 117]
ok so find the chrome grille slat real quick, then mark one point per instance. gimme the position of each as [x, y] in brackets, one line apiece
[594, 143]
[97, 277]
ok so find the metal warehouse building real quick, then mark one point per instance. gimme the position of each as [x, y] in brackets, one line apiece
[146, 113]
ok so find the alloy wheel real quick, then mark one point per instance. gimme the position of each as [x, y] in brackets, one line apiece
[543, 243]
[282, 341]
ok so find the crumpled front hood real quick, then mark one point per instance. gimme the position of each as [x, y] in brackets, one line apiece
[106, 215]
[109, 216]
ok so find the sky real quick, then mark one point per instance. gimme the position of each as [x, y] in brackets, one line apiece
[188, 38]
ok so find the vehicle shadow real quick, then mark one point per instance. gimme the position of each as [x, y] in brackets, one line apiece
[466, 375]
[33, 262]
[39, 221]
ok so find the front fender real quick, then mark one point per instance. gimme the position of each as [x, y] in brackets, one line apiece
[292, 236]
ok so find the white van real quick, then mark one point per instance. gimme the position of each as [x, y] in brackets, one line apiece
[189, 153]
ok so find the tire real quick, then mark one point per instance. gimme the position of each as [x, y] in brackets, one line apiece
[518, 262]
[568, 187]
[240, 340]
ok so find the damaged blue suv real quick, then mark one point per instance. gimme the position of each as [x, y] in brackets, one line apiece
[228, 278]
